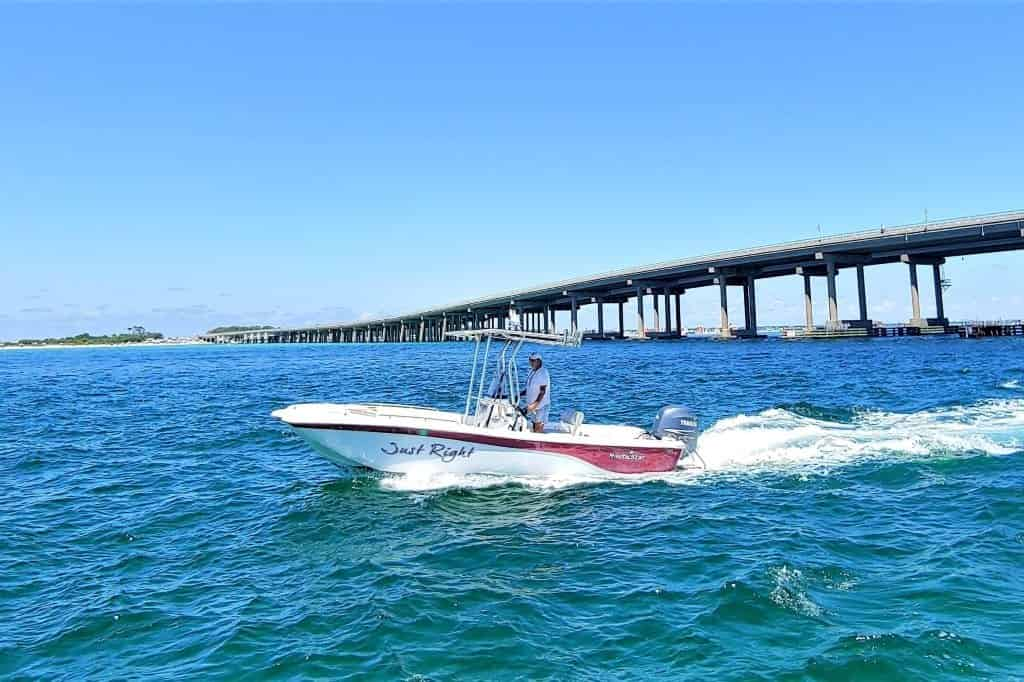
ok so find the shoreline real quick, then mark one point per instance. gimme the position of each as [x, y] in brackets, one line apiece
[128, 344]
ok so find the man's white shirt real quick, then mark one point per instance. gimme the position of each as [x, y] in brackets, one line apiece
[534, 381]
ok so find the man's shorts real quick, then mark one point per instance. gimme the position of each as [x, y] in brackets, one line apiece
[541, 415]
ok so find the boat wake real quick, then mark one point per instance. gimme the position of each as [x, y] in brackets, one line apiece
[802, 439]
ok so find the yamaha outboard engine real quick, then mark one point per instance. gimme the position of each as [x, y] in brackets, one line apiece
[674, 422]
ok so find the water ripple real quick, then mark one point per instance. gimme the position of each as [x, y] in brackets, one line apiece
[861, 517]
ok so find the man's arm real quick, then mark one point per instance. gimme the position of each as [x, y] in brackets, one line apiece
[540, 398]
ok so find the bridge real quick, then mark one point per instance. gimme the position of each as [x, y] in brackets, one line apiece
[537, 308]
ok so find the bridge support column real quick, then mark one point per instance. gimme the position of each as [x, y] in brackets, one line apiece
[679, 314]
[915, 298]
[600, 318]
[808, 304]
[575, 314]
[668, 311]
[862, 297]
[940, 308]
[641, 330]
[833, 305]
[750, 305]
[723, 293]
[657, 312]
[547, 319]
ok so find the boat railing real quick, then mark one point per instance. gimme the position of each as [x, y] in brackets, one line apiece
[571, 337]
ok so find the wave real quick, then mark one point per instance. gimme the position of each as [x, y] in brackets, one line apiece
[801, 438]
[1012, 384]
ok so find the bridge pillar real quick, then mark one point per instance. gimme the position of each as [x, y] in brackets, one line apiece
[668, 311]
[808, 304]
[862, 298]
[723, 293]
[547, 319]
[833, 305]
[600, 317]
[575, 313]
[641, 330]
[657, 312]
[915, 297]
[940, 308]
[679, 313]
[622, 318]
[750, 306]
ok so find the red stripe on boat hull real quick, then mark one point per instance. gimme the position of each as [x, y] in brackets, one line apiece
[615, 458]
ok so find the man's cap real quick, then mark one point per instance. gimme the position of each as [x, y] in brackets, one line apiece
[535, 356]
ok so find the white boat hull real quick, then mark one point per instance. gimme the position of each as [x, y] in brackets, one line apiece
[409, 440]
[406, 454]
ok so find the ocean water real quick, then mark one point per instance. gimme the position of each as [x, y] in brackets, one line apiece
[861, 517]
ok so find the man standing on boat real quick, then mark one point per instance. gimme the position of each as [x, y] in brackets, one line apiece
[538, 393]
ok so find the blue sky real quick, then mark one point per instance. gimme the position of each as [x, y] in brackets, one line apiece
[182, 167]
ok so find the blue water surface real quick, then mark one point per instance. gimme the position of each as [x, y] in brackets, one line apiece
[861, 518]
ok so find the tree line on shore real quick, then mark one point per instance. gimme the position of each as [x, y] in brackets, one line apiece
[239, 328]
[133, 335]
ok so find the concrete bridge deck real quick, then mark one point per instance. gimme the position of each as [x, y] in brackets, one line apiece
[926, 244]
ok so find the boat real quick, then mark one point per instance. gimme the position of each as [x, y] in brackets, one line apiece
[492, 434]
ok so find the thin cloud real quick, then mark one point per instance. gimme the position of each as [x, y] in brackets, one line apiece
[188, 310]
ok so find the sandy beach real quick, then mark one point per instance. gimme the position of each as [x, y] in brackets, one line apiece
[131, 344]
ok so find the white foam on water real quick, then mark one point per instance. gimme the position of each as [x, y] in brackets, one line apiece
[790, 592]
[782, 440]
[1011, 384]
[425, 482]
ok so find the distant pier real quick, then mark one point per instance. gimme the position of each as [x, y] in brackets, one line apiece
[927, 245]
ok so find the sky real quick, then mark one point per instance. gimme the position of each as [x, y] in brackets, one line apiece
[192, 165]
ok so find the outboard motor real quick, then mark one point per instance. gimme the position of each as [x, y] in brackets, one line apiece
[674, 422]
